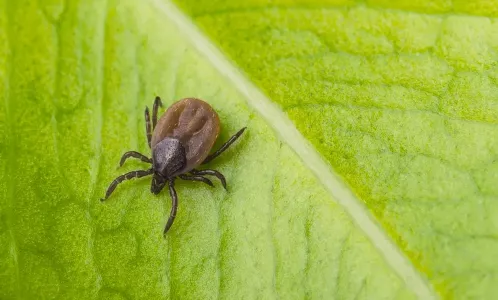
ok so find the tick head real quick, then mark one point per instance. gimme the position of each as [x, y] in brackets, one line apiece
[158, 183]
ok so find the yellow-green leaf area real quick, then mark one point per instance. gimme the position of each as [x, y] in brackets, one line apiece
[401, 98]
[75, 77]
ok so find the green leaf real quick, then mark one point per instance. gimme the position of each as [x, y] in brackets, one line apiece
[75, 77]
[400, 98]
[399, 104]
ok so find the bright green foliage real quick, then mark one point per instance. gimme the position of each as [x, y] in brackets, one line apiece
[401, 98]
[74, 79]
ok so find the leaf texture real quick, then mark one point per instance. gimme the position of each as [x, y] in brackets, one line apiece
[400, 97]
[75, 77]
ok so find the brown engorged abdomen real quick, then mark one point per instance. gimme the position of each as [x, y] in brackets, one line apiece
[194, 123]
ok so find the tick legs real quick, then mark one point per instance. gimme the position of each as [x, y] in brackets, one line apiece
[196, 178]
[134, 154]
[213, 173]
[148, 126]
[224, 147]
[157, 103]
[148, 129]
[174, 205]
[129, 175]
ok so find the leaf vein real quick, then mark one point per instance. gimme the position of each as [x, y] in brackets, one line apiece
[303, 7]
[271, 221]
[98, 138]
[391, 110]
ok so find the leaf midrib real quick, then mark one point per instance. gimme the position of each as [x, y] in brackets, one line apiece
[287, 132]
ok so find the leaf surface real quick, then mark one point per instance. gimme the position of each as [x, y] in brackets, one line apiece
[75, 77]
[400, 98]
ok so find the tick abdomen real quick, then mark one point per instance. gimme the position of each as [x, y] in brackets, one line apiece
[194, 123]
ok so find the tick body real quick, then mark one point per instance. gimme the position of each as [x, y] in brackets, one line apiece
[180, 141]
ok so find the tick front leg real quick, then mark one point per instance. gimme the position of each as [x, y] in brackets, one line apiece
[157, 104]
[174, 205]
[129, 175]
[212, 173]
[196, 178]
[134, 154]
[224, 147]
[148, 130]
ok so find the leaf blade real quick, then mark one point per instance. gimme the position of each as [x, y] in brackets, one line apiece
[399, 100]
[71, 246]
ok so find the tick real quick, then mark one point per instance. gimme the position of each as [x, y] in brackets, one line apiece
[180, 141]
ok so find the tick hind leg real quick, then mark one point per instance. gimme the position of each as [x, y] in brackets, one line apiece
[148, 129]
[157, 104]
[129, 175]
[212, 173]
[224, 147]
[174, 205]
